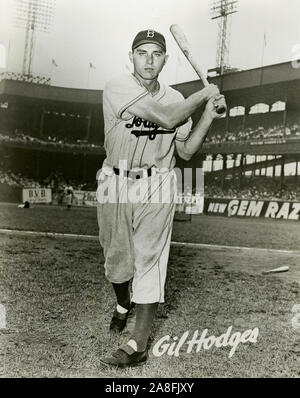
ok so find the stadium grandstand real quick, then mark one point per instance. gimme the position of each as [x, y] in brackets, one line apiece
[53, 136]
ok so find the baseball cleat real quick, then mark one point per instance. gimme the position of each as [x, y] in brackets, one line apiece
[118, 321]
[122, 359]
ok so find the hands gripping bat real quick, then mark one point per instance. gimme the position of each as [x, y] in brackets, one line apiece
[184, 45]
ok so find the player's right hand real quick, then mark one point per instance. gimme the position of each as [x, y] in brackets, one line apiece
[210, 91]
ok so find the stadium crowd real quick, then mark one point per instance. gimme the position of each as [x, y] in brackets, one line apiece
[23, 138]
[56, 181]
[258, 189]
[277, 132]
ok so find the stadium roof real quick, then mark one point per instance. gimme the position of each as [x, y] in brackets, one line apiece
[268, 84]
[42, 92]
[246, 88]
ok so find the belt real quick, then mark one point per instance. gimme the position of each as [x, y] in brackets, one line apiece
[135, 174]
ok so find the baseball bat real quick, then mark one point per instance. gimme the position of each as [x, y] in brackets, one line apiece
[184, 45]
[284, 268]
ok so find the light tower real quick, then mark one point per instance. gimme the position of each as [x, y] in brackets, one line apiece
[222, 10]
[33, 16]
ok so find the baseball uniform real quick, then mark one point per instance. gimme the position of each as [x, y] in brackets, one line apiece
[135, 234]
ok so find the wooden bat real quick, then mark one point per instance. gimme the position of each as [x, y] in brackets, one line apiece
[284, 268]
[184, 45]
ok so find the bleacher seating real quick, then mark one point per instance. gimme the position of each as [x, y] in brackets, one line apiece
[255, 188]
[260, 133]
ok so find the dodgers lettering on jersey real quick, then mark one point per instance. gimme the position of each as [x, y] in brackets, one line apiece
[154, 129]
[127, 137]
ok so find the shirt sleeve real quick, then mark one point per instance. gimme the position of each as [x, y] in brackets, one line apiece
[183, 132]
[122, 92]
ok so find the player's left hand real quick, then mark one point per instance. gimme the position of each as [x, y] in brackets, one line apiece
[210, 108]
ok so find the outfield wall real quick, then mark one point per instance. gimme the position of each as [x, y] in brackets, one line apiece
[10, 194]
[274, 209]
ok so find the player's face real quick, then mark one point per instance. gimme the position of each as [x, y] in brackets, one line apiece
[148, 60]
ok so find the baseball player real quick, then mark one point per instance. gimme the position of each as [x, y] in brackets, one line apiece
[69, 192]
[145, 121]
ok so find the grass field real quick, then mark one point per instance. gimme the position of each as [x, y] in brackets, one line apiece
[59, 305]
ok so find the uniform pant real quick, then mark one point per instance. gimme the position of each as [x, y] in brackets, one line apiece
[135, 234]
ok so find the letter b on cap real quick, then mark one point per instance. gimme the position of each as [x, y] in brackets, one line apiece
[150, 33]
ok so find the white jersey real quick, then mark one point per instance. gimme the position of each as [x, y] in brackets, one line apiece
[141, 143]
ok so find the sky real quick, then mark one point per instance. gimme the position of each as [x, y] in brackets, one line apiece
[101, 32]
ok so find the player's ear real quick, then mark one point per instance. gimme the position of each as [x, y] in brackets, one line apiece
[166, 58]
[130, 56]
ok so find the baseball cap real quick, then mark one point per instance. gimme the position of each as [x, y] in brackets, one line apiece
[149, 36]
